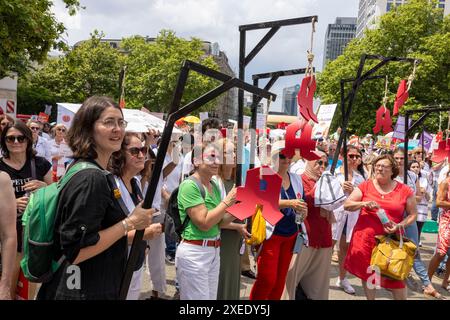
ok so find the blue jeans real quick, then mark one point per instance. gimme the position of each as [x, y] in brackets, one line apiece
[412, 233]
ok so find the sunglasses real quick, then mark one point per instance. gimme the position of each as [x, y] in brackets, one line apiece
[281, 156]
[61, 129]
[320, 162]
[35, 128]
[354, 156]
[134, 151]
[12, 139]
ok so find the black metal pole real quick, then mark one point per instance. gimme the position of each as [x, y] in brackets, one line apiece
[405, 160]
[253, 136]
[344, 147]
[240, 138]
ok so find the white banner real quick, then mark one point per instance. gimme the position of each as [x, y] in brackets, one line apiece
[260, 121]
[138, 121]
[324, 116]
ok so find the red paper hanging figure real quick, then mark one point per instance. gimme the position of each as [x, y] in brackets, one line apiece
[384, 121]
[305, 98]
[442, 152]
[251, 195]
[401, 97]
[304, 143]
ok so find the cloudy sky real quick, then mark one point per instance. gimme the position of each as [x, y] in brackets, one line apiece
[216, 21]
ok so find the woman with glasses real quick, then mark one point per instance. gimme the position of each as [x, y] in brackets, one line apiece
[395, 198]
[425, 191]
[412, 231]
[198, 255]
[276, 253]
[126, 164]
[60, 152]
[27, 171]
[40, 144]
[345, 220]
[91, 229]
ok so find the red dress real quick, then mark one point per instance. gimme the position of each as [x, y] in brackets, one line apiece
[368, 226]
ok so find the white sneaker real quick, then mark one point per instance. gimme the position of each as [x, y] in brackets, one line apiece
[345, 284]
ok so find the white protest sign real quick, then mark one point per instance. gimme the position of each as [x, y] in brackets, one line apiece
[324, 116]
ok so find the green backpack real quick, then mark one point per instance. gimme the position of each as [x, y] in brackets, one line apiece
[38, 262]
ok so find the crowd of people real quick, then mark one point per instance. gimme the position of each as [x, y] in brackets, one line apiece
[94, 228]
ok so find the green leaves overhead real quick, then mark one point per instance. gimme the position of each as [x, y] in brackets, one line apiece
[417, 29]
[152, 69]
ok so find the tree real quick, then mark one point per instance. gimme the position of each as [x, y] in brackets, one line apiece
[153, 69]
[93, 68]
[416, 29]
[28, 30]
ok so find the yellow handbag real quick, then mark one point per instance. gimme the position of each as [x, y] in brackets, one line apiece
[258, 234]
[394, 258]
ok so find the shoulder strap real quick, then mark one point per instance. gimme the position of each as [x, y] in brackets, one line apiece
[117, 195]
[33, 168]
[73, 170]
[199, 185]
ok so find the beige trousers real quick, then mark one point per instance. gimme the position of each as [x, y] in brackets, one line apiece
[310, 269]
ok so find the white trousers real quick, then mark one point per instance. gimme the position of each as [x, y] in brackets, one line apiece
[134, 291]
[156, 262]
[197, 271]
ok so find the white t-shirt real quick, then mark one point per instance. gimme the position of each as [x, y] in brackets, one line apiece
[298, 167]
[187, 165]
[59, 150]
[172, 181]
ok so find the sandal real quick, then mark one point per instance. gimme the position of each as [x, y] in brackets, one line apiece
[434, 294]
[447, 288]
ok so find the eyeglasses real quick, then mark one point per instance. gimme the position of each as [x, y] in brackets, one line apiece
[61, 129]
[210, 158]
[321, 163]
[134, 151]
[35, 128]
[354, 156]
[12, 139]
[382, 167]
[112, 123]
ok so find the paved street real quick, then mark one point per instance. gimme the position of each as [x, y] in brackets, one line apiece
[428, 241]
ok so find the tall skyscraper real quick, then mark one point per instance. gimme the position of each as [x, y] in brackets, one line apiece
[290, 100]
[337, 37]
[370, 10]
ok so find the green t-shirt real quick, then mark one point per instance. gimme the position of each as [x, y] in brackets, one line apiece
[189, 196]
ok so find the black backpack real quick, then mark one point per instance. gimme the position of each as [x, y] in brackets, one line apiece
[173, 226]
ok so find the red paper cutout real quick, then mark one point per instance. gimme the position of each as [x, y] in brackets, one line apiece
[401, 97]
[442, 152]
[305, 98]
[304, 143]
[384, 121]
[251, 195]
[282, 125]
[439, 136]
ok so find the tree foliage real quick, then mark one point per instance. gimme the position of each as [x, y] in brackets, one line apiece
[152, 70]
[28, 31]
[417, 30]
